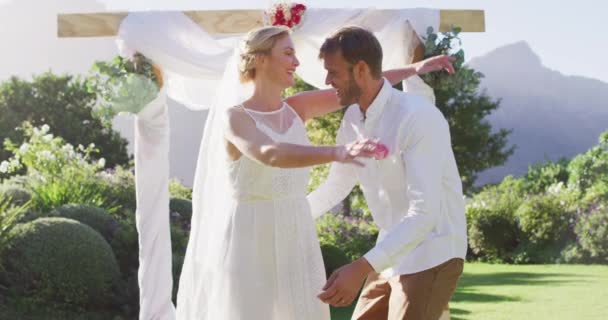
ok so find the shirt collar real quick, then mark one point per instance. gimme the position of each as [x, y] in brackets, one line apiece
[375, 109]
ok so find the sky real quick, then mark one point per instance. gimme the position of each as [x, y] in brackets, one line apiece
[566, 36]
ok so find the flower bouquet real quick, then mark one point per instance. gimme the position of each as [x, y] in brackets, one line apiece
[124, 85]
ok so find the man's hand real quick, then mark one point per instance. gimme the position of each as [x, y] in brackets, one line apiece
[441, 62]
[344, 284]
[361, 148]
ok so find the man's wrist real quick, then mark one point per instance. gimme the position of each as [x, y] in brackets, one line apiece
[364, 265]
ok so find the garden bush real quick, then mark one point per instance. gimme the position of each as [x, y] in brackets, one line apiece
[355, 236]
[540, 176]
[18, 195]
[592, 232]
[97, 218]
[590, 167]
[333, 258]
[61, 261]
[491, 225]
[183, 207]
[545, 218]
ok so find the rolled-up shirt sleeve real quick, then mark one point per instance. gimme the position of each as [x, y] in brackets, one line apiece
[423, 148]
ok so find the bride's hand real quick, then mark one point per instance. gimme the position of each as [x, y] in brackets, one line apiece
[364, 148]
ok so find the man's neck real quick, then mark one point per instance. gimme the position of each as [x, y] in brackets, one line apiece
[369, 92]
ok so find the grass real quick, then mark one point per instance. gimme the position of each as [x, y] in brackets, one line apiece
[486, 291]
[538, 292]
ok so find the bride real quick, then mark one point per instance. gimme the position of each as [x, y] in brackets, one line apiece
[253, 252]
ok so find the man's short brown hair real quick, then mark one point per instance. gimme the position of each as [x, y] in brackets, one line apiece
[356, 44]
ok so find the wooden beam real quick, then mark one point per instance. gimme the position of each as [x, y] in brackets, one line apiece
[468, 20]
[228, 21]
[107, 24]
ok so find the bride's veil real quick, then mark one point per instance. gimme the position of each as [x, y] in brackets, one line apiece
[211, 196]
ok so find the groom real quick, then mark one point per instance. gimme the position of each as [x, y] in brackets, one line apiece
[415, 194]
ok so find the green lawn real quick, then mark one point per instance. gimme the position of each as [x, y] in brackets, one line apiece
[534, 292]
[488, 292]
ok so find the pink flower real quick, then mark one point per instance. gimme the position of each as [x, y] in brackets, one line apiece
[381, 151]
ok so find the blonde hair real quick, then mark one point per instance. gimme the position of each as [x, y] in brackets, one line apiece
[256, 42]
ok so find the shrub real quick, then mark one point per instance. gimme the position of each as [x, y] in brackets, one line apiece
[183, 207]
[9, 217]
[546, 222]
[178, 190]
[545, 218]
[58, 173]
[596, 195]
[17, 195]
[62, 261]
[354, 236]
[492, 228]
[540, 176]
[590, 167]
[492, 236]
[333, 258]
[118, 189]
[592, 232]
[573, 253]
[94, 217]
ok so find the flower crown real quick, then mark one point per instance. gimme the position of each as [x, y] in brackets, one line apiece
[285, 14]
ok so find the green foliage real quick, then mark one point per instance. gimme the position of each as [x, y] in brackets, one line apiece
[9, 217]
[122, 85]
[57, 172]
[118, 189]
[333, 258]
[492, 228]
[60, 261]
[546, 223]
[178, 190]
[458, 97]
[596, 194]
[65, 104]
[354, 236]
[590, 167]
[554, 214]
[181, 206]
[97, 218]
[17, 195]
[540, 176]
[592, 232]
[126, 249]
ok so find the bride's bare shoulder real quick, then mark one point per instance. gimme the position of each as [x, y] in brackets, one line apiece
[236, 116]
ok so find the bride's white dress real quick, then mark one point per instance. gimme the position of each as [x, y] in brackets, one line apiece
[268, 265]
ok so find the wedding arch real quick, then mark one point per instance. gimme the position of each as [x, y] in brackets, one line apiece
[192, 74]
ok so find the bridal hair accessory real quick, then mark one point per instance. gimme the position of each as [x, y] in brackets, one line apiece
[285, 14]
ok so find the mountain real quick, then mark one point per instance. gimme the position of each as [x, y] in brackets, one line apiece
[552, 115]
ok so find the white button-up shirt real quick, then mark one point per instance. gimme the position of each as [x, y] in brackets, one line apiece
[414, 195]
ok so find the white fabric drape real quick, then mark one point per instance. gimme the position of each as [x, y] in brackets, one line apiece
[194, 65]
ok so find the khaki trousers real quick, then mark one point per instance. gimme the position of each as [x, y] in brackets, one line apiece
[418, 296]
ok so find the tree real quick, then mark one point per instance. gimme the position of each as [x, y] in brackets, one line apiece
[65, 104]
[458, 97]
